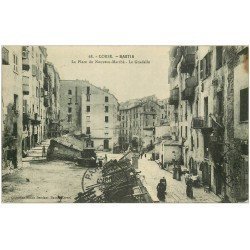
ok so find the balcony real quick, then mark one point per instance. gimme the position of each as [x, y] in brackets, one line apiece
[188, 63]
[46, 83]
[174, 96]
[191, 82]
[37, 118]
[26, 118]
[188, 94]
[203, 124]
[46, 101]
[198, 122]
[26, 88]
[25, 64]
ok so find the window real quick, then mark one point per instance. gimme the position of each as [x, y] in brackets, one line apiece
[15, 61]
[197, 140]
[106, 109]
[181, 131]
[5, 56]
[244, 105]
[153, 116]
[88, 90]
[219, 51]
[88, 130]
[69, 109]
[70, 92]
[205, 66]
[69, 117]
[88, 98]
[106, 99]
[106, 119]
[206, 111]
[186, 131]
[70, 101]
[88, 108]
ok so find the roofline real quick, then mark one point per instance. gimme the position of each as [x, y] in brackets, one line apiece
[93, 86]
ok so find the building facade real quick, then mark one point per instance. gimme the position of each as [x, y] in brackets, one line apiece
[206, 101]
[138, 120]
[25, 74]
[34, 111]
[92, 112]
[12, 114]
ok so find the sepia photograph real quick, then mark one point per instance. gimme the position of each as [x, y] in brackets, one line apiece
[125, 124]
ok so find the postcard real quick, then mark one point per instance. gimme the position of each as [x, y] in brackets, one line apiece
[125, 124]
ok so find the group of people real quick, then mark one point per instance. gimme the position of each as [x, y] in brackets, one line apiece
[177, 174]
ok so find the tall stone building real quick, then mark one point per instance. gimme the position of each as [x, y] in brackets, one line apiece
[138, 120]
[34, 111]
[209, 95]
[12, 114]
[30, 100]
[51, 100]
[90, 111]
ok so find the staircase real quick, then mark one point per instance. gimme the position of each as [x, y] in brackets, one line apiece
[35, 154]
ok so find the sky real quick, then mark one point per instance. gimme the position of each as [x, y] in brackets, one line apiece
[126, 81]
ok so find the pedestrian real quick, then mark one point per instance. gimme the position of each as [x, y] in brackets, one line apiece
[174, 172]
[145, 155]
[189, 187]
[163, 180]
[43, 151]
[161, 191]
[179, 172]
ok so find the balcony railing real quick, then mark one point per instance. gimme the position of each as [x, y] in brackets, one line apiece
[36, 119]
[202, 123]
[174, 96]
[198, 122]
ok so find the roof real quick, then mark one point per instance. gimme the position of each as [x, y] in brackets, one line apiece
[87, 82]
[133, 103]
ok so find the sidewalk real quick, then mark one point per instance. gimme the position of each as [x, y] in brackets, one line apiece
[176, 190]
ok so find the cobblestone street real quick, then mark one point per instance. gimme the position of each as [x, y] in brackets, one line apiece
[53, 181]
[176, 190]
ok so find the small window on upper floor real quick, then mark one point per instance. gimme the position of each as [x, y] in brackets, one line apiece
[88, 90]
[70, 92]
[219, 51]
[106, 99]
[15, 62]
[5, 56]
